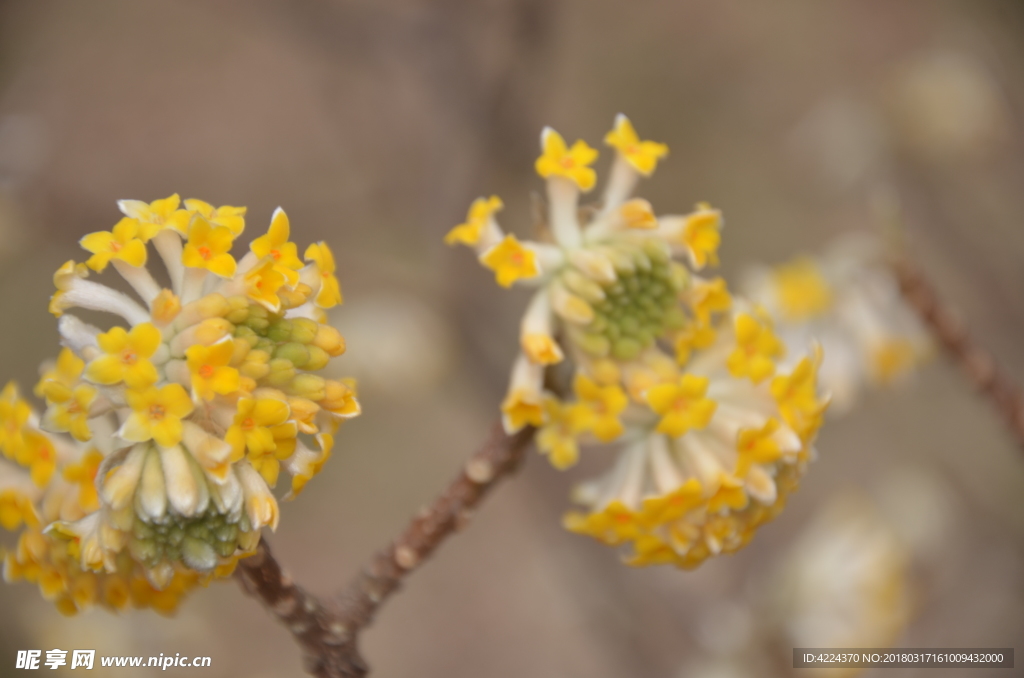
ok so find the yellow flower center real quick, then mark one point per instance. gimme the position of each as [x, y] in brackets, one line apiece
[157, 412]
[632, 149]
[205, 252]
[248, 424]
[276, 254]
[567, 163]
[74, 407]
[129, 357]
[115, 246]
[206, 371]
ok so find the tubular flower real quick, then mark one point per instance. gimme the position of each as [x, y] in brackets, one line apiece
[715, 418]
[193, 405]
[848, 301]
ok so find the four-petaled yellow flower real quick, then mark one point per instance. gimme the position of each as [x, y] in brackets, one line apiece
[232, 218]
[125, 242]
[208, 366]
[157, 215]
[802, 289]
[262, 284]
[14, 413]
[329, 294]
[756, 347]
[558, 160]
[208, 248]
[521, 408]
[83, 473]
[796, 395]
[564, 423]
[127, 357]
[71, 413]
[757, 446]
[605, 403]
[701, 235]
[57, 382]
[262, 433]
[274, 244]
[156, 414]
[480, 212]
[642, 155]
[510, 261]
[682, 405]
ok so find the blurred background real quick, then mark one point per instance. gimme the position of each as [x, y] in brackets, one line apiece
[375, 123]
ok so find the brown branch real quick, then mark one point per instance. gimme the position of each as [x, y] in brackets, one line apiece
[1004, 395]
[328, 631]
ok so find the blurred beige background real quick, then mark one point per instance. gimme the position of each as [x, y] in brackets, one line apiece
[375, 123]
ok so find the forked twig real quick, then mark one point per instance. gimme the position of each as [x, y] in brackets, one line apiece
[328, 629]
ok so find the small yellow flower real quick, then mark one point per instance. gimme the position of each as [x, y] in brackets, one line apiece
[564, 423]
[262, 284]
[208, 248]
[480, 213]
[796, 395]
[16, 508]
[757, 446]
[274, 244]
[558, 160]
[329, 294]
[232, 218]
[522, 407]
[71, 414]
[83, 473]
[126, 357]
[340, 398]
[209, 368]
[262, 433]
[542, 349]
[39, 456]
[665, 508]
[701, 235]
[57, 383]
[125, 242]
[638, 215]
[613, 525]
[891, 358]
[510, 261]
[682, 405]
[802, 290]
[156, 414]
[642, 155]
[756, 348]
[14, 414]
[605, 403]
[157, 215]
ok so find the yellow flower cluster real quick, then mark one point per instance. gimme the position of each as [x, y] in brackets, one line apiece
[715, 418]
[847, 300]
[181, 420]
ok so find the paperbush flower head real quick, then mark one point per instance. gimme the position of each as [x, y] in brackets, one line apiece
[714, 415]
[848, 301]
[182, 414]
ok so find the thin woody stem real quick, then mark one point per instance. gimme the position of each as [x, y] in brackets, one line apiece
[1004, 395]
[328, 630]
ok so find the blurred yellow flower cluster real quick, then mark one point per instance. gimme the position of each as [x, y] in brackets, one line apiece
[181, 419]
[714, 417]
